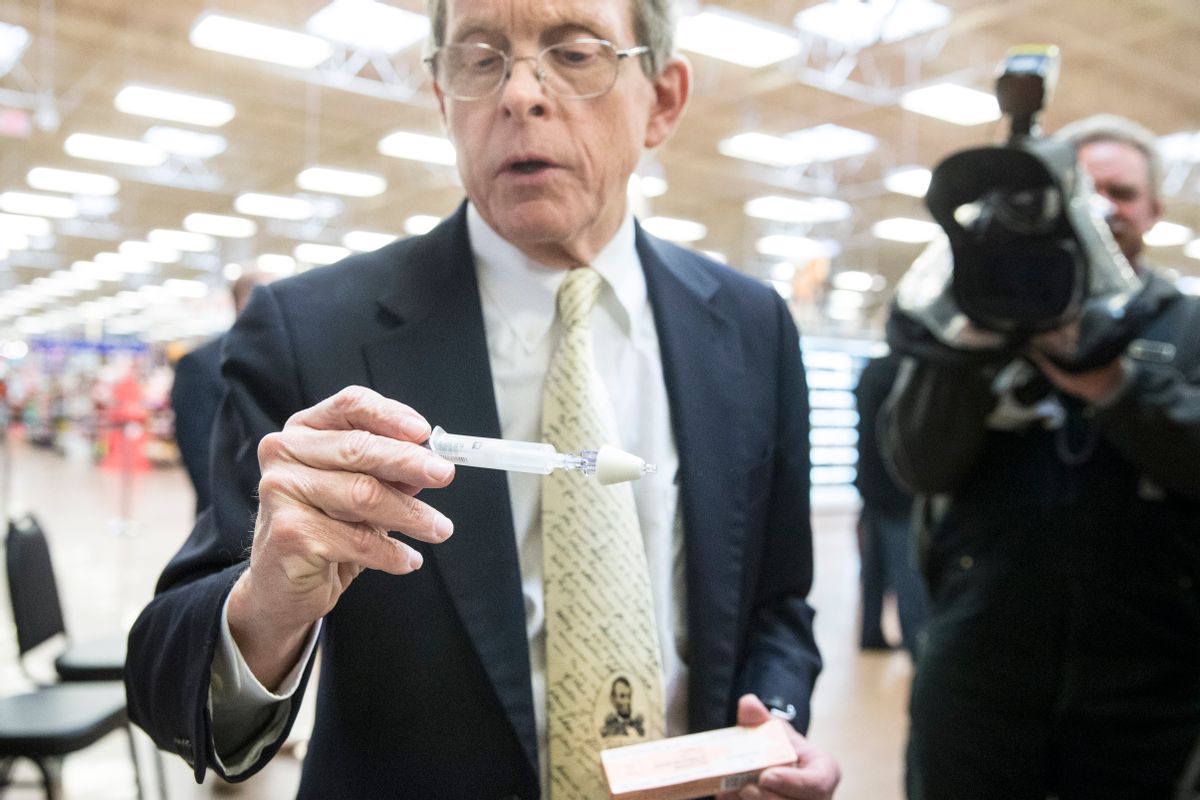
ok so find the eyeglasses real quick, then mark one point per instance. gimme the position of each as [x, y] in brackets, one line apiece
[577, 70]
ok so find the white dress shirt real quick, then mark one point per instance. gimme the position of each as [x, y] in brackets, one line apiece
[518, 301]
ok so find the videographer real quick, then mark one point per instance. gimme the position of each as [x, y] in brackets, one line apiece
[1062, 548]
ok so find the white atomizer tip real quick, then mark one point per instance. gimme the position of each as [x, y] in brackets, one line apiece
[616, 466]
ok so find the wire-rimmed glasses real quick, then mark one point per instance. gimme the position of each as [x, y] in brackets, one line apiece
[577, 70]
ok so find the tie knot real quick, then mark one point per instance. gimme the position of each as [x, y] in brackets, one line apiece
[577, 295]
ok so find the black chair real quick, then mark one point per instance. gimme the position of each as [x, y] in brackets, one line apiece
[52, 722]
[89, 702]
[38, 614]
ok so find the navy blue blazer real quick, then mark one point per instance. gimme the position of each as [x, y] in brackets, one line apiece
[425, 681]
[195, 399]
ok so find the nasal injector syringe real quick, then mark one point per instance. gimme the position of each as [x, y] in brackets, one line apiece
[609, 464]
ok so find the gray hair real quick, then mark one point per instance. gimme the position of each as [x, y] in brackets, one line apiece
[653, 26]
[1112, 128]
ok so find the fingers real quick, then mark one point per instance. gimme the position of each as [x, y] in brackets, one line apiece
[306, 544]
[356, 407]
[395, 461]
[751, 711]
[355, 498]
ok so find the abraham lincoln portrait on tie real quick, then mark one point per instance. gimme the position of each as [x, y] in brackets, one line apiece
[463, 644]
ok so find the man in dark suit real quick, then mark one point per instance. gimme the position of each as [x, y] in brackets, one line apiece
[433, 679]
[196, 396]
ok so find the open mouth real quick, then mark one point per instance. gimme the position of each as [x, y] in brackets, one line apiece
[529, 167]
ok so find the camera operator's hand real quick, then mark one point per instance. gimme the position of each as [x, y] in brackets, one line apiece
[1093, 386]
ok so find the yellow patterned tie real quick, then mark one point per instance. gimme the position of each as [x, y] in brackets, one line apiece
[603, 671]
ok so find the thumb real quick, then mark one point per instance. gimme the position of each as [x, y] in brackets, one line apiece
[751, 711]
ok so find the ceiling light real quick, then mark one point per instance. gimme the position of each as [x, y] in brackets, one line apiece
[340, 181]
[40, 205]
[1192, 249]
[952, 103]
[49, 179]
[366, 241]
[1167, 234]
[145, 251]
[273, 205]
[796, 248]
[863, 23]
[846, 298]
[369, 25]
[912, 181]
[98, 271]
[419, 224]
[826, 142]
[675, 230]
[117, 151]
[312, 253]
[238, 37]
[1183, 146]
[182, 240]
[418, 147]
[904, 229]
[276, 264]
[795, 210]
[186, 288]
[186, 143]
[647, 185]
[194, 109]
[855, 280]
[220, 225]
[124, 263]
[78, 280]
[13, 41]
[13, 240]
[21, 223]
[732, 37]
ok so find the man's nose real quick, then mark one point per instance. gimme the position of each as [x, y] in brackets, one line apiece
[523, 88]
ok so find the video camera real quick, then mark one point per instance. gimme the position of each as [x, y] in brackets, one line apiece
[1026, 248]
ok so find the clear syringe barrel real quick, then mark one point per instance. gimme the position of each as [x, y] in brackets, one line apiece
[480, 451]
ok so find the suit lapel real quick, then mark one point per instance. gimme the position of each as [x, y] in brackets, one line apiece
[436, 361]
[702, 373]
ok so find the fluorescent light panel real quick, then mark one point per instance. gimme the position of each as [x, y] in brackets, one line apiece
[145, 251]
[341, 181]
[273, 205]
[795, 248]
[23, 223]
[736, 38]
[366, 241]
[276, 263]
[193, 109]
[905, 229]
[313, 253]
[39, 205]
[117, 151]
[863, 23]
[368, 25]
[418, 147]
[797, 210]
[240, 37]
[220, 225]
[418, 224]
[912, 181]
[50, 179]
[1192, 249]
[675, 230]
[826, 142]
[951, 102]
[186, 143]
[13, 41]
[182, 240]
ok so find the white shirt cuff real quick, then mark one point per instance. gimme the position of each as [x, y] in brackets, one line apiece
[246, 716]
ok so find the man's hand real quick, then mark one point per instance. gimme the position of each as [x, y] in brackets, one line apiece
[1093, 386]
[814, 776]
[335, 480]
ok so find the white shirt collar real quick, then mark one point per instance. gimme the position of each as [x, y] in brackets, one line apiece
[522, 291]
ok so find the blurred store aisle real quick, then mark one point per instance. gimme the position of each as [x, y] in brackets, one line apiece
[105, 579]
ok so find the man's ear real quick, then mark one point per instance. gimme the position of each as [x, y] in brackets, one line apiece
[672, 88]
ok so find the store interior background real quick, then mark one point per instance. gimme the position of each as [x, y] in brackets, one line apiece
[797, 162]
